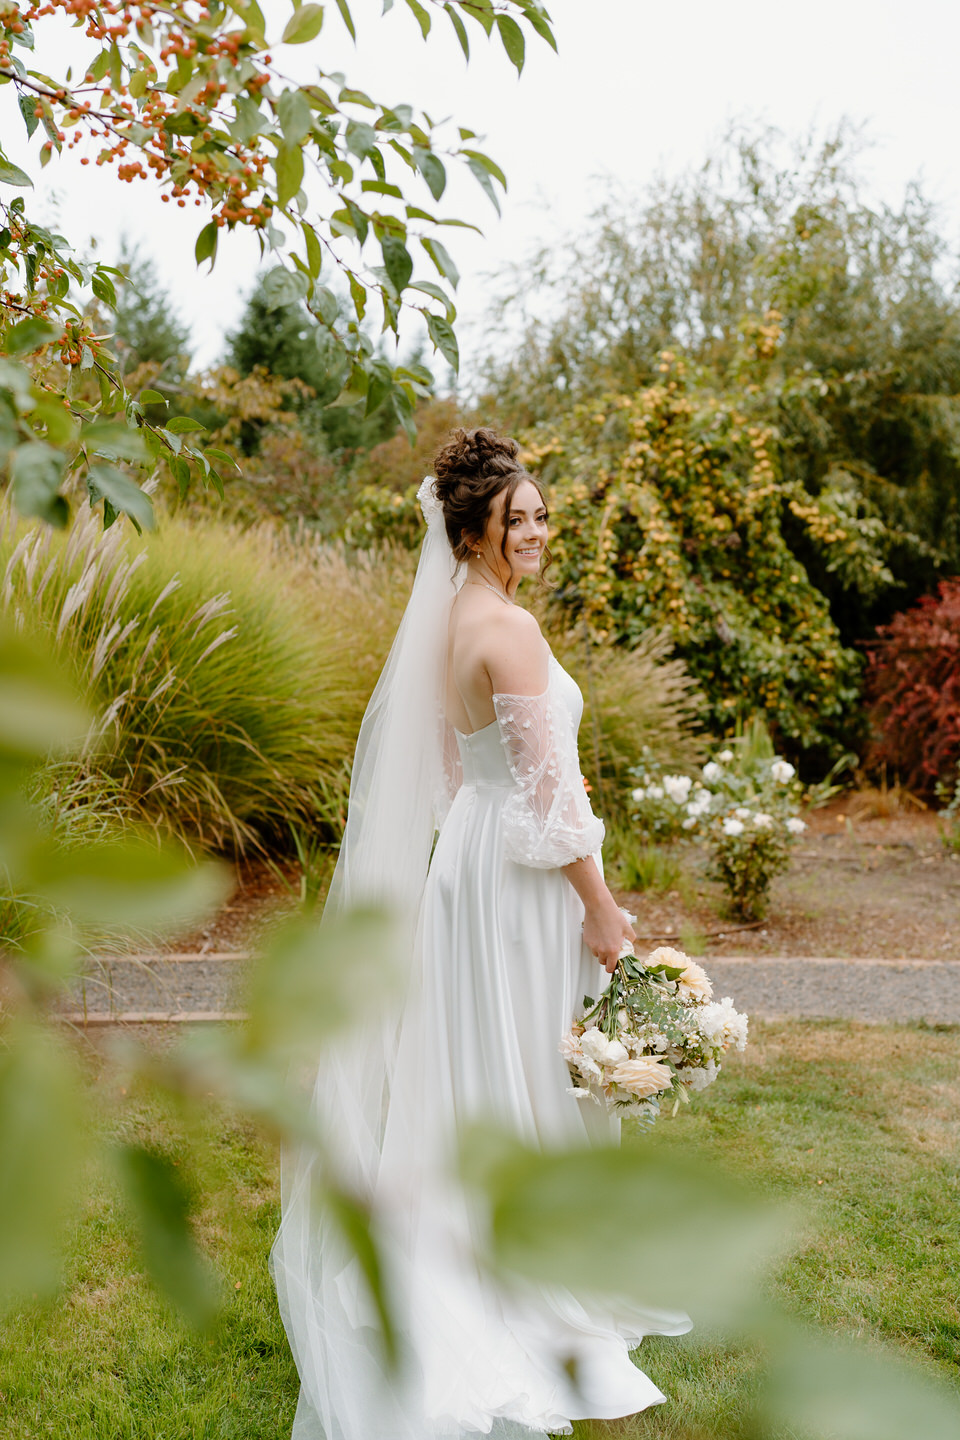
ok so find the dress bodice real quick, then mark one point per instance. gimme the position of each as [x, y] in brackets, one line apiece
[483, 755]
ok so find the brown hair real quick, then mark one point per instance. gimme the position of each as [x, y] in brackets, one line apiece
[472, 469]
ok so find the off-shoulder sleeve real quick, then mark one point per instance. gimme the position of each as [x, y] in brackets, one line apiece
[547, 819]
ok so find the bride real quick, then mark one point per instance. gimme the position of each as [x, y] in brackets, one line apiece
[471, 731]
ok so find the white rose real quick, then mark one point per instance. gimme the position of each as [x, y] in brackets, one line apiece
[638, 794]
[725, 757]
[782, 771]
[600, 1050]
[795, 825]
[732, 826]
[762, 821]
[677, 787]
[655, 792]
[712, 772]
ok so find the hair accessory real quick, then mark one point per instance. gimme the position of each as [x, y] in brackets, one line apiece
[429, 501]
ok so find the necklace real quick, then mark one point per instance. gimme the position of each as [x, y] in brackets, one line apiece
[493, 590]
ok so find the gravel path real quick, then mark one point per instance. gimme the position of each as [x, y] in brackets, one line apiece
[204, 987]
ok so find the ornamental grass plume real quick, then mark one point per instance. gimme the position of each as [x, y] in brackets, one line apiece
[228, 671]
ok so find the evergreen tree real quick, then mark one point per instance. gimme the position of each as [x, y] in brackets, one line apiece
[147, 328]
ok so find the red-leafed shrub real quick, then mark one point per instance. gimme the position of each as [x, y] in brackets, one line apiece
[913, 683]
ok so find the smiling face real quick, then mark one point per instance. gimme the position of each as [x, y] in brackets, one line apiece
[526, 534]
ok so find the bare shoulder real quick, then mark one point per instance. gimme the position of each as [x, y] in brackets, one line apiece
[517, 656]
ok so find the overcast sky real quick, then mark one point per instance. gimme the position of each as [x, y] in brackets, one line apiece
[637, 88]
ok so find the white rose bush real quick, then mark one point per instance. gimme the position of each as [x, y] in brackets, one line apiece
[744, 806]
[656, 1031]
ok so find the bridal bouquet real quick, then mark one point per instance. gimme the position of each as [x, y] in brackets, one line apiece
[655, 1030]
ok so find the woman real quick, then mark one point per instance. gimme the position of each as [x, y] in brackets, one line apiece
[472, 728]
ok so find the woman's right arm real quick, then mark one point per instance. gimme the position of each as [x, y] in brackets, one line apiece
[549, 821]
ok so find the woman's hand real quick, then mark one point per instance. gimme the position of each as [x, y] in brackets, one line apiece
[606, 930]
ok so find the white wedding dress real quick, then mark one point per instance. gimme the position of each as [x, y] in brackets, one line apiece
[500, 969]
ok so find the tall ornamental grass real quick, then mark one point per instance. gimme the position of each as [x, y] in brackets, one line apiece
[228, 671]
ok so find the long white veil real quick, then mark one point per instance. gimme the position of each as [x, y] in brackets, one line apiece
[397, 784]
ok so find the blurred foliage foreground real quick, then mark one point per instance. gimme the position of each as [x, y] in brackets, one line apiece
[706, 1250]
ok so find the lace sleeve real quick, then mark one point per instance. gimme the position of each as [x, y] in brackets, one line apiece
[452, 773]
[547, 819]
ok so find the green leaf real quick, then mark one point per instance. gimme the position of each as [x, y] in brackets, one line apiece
[222, 456]
[314, 253]
[39, 709]
[28, 109]
[42, 1142]
[356, 1225]
[11, 174]
[304, 24]
[159, 1201]
[380, 187]
[138, 84]
[249, 119]
[282, 287]
[117, 440]
[359, 296]
[108, 483]
[134, 883]
[397, 261]
[460, 28]
[481, 173]
[344, 9]
[28, 335]
[441, 258]
[295, 115]
[152, 397]
[102, 286]
[490, 166]
[180, 424]
[206, 246]
[404, 408]
[325, 304]
[538, 21]
[423, 18]
[35, 475]
[431, 168]
[513, 42]
[427, 287]
[482, 12]
[360, 138]
[707, 1260]
[288, 165]
[379, 386]
[441, 333]
[300, 992]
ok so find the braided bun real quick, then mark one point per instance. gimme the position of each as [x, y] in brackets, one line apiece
[472, 470]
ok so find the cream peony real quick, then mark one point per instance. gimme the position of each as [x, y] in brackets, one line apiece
[666, 955]
[642, 1077]
[694, 983]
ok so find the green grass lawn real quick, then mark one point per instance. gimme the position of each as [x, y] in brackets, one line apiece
[861, 1123]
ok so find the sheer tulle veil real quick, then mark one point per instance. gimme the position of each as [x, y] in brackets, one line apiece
[397, 791]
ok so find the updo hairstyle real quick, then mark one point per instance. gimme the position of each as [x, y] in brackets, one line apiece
[471, 470]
